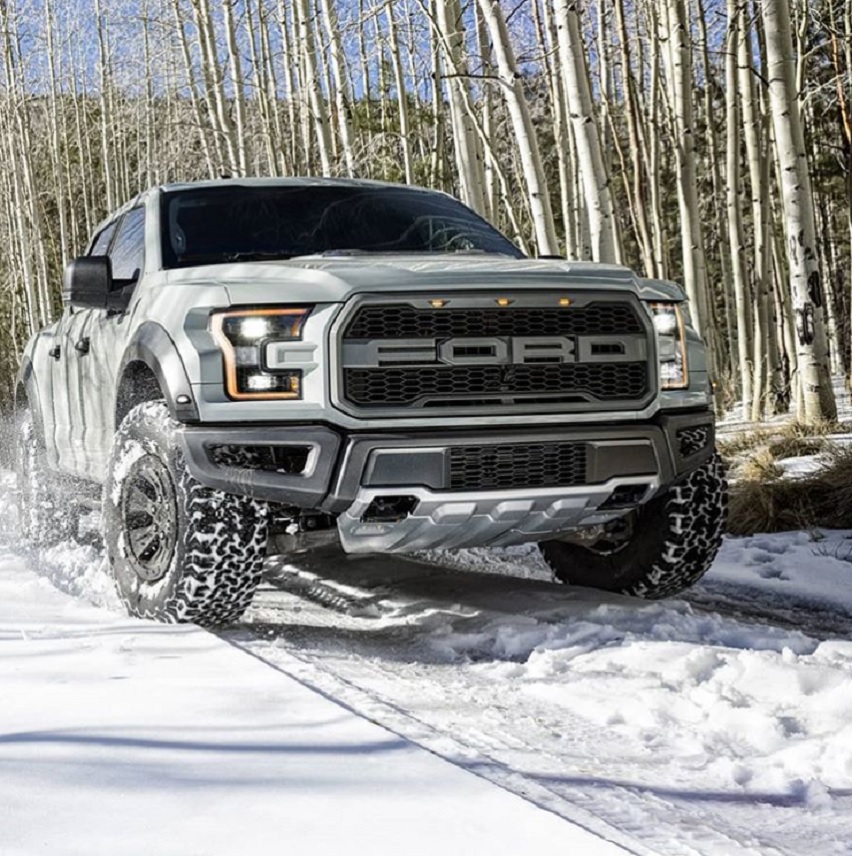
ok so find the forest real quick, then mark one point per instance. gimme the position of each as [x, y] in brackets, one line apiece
[704, 141]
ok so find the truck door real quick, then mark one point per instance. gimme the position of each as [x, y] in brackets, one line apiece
[103, 344]
[67, 349]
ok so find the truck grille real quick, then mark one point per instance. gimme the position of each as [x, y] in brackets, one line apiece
[408, 322]
[455, 385]
[592, 354]
[517, 466]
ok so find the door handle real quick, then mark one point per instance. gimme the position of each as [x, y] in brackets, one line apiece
[54, 352]
[82, 346]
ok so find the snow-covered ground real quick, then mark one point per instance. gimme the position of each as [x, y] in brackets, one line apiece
[718, 724]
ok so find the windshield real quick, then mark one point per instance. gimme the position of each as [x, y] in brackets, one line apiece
[215, 225]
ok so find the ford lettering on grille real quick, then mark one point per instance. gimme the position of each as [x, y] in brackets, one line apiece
[483, 350]
[595, 355]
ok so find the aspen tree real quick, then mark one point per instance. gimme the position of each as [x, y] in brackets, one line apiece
[106, 119]
[678, 63]
[213, 88]
[438, 166]
[212, 150]
[600, 208]
[241, 137]
[450, 34]
[401, 95]
[342, 92]
[636, 184]
[736, 237]
[316, 100]
[816, 392]
[527, 142]
[265, 100]
[489, 124]
[58, 164]
[767, 374]
[562, 131]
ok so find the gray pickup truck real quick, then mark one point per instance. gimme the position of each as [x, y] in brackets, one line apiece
[247, 366]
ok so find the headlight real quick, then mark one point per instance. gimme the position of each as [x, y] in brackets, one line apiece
[671, 345]
[244, 335]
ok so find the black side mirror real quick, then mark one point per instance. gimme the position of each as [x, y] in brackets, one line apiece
[88, 282]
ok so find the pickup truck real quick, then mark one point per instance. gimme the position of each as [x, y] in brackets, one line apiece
[249, 366]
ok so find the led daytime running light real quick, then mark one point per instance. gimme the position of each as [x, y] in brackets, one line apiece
[242, 335]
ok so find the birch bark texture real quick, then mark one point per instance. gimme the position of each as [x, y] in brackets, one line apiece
[817, 395]
[597, 187]
[525, 135]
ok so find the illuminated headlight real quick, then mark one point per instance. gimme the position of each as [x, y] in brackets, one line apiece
[243, 335]
[671, 345]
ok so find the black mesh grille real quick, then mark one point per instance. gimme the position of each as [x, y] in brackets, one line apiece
[691, 441]
[517, 466]
[421, 385]
[589, 356]
[407, 322]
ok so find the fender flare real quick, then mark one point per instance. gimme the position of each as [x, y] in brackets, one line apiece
[152, 346]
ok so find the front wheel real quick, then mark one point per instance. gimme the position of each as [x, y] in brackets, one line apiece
[179, 552]
[666, 548]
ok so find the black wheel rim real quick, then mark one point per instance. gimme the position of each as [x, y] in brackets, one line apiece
[616, 536]
[149, 518]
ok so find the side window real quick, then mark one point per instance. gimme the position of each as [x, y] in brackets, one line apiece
[101, 242]
[128, 250]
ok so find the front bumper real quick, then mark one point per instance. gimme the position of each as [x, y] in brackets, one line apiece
[317, 468]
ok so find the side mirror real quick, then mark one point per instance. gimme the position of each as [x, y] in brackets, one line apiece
[88, 282]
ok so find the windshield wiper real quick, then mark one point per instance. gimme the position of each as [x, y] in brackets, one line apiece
[423, 251]
[239, 256]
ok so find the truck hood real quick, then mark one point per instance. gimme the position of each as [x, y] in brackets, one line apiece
[319, 279]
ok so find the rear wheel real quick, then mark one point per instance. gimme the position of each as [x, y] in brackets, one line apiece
[47, 513]
[665, 548]
[179, 552]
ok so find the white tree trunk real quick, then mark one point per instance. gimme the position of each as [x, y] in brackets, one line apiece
[802, 251]
[537, 190]
[600, 208]
[450, 31]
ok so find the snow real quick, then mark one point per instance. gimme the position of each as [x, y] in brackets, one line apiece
[123, 736]
[451, 703]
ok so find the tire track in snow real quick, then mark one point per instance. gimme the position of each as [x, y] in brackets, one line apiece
[395, 663]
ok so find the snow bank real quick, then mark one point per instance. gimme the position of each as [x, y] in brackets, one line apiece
[755, 708]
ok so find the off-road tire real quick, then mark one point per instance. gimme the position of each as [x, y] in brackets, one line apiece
[179, 552]
[674, 540]
[47, 514]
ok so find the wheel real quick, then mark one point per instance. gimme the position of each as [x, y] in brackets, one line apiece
[660, 551]
[179, 552]
[47, 514]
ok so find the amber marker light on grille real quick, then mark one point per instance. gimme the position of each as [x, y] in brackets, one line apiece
[437, 304]
[565, 301]
[243, 335]
[504, 301]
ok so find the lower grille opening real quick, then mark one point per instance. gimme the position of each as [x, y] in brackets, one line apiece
[625, 496]
[691, 441]
[527, 465]
[288, 460]
[389, 509]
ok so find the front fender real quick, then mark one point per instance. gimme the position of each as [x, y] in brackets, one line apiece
[155, 348]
